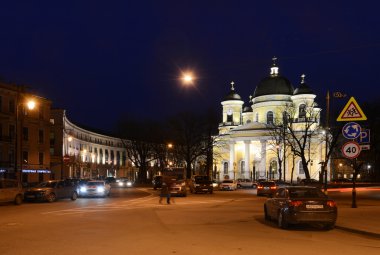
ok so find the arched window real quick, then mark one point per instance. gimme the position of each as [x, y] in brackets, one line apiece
[270, 117]
[257, 117]
[248, 121]
[300, 168]
[302, 111]
[225, 168]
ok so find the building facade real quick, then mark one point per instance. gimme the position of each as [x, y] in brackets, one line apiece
[78, 152]
[24, 134]
[247, 146]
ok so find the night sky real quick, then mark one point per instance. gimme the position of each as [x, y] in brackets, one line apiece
[101, 60]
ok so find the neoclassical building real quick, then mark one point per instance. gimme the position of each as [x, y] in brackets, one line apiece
[246, 145]
[78, 152]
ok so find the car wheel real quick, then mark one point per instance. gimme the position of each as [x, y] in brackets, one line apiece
[51, 197]
[211, 191]
[239, 186]
[281, 220]
[74, 196]
[18, 200]
[266, 215]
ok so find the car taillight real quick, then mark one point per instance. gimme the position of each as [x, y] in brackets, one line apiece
[259, 187]
[273, 187]
[295, 203]
[331, 203]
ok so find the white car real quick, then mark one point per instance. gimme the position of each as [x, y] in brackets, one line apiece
[228, 185]
[96, 188]
[245, 183]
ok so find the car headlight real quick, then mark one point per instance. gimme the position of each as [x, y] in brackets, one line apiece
[196, 185]
[121, 184]
[100, 189]
[83, 189]
[129, 183]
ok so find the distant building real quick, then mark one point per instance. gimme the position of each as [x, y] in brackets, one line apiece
[248, 148]
[78, 152]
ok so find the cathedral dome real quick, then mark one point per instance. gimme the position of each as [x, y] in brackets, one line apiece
[274, 84]
[232, 95]
[303, 88]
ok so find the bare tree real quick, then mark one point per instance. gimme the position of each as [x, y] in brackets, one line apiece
[302, 132]
[138, 137]
[193, 138]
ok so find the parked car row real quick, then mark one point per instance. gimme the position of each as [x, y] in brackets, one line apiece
[12, 191]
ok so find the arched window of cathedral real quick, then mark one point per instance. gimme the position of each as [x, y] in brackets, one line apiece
[270, 117]
[248, 121]
[225, 168]
[257, 117]
[300, 168]
[302, 111]
[242, 167]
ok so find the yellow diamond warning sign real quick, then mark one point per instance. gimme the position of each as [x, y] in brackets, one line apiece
[351, 112]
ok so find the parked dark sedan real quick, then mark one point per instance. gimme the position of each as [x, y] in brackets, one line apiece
[51, 191]
[267, 188]
[301, 204]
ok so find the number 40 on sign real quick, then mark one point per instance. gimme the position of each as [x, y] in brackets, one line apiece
[351, 150]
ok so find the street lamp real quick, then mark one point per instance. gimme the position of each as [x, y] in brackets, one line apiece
[30, 105]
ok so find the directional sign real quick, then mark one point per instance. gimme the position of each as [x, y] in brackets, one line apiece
[351, 112]
[351, 150]
[351, 130]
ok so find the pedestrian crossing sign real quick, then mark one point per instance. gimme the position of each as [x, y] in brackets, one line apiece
[351, 112]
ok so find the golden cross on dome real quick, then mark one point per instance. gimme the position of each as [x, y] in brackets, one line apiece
[232, 85]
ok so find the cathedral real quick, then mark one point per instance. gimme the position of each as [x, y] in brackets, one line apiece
[254, 141]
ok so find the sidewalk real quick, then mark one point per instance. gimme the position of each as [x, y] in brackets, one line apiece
[363, 219]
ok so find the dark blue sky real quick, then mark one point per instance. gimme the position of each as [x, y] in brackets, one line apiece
[100, 60]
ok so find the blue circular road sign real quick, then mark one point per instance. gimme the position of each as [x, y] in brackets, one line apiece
[351, 130]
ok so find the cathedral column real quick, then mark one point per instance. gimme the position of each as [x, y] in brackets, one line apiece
[263, 158]
[247, 170]
[231, 165]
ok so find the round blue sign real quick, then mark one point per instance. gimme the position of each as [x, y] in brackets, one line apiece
[351, 130]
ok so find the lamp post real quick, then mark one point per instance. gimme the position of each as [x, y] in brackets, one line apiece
[30, 105]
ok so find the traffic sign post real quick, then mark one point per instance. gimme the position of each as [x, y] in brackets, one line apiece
[351, 150]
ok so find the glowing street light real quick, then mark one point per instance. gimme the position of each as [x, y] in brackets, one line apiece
[188, 78]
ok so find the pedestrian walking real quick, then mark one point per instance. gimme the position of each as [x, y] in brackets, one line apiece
[165, 192]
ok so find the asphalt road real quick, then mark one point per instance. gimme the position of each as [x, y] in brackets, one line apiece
[132, 222]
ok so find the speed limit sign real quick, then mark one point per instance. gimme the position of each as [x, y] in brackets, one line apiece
[351, 150]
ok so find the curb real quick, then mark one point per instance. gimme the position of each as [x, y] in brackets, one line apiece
[358, 231]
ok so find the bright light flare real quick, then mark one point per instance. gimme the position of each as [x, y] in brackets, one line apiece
[188, 78]
[31, 105]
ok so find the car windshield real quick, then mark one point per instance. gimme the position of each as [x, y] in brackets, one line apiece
[268, 183]
[46, 185]
[306, 193]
